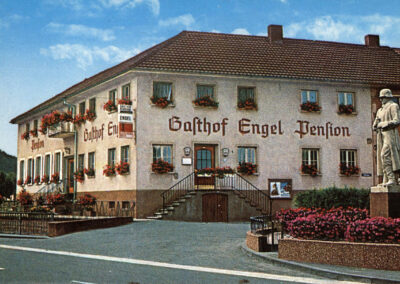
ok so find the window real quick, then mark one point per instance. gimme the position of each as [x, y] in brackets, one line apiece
[111, 156]
[21, 170]
[309, 96]
[126, 92]
[346, 99]
[126, 205]
[310, 157]
[125, 154]
[112, 95]
[204, 91]
[81, 162]
[82, 108]
[27, 128]
[35, 124]
[57, 163]
[38, 169]
[245, 94]
[111, 204]
[91, 160]
[348, 157]
[163, 152]
[92, 105]
[30, 171]
[162, 90]
[47, 165]
[247, 155]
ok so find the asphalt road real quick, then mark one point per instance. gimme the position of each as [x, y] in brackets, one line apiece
[143, 252]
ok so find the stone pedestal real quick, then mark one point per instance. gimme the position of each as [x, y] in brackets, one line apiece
[385, 201]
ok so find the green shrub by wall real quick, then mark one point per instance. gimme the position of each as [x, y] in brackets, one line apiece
[333, 197]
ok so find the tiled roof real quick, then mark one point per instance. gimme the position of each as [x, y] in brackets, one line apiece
[213, 53]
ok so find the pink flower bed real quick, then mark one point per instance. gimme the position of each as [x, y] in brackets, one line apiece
[349, 224]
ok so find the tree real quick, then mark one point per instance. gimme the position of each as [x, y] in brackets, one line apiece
[7, 184]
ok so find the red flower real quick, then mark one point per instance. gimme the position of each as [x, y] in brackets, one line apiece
[89, 115]
[55, 178]
[124, 102]
[45, 179]
[205, 101]
[248, 104]
[25, 135]
[310, 106]
[79, 176]
[122, 168]
[161, 167]
[37, 179]
[24, 198]
[87, 200]
[90, 172]
[309, 170]
[346, 109]
[110, 106]
[109, 170]
[247, 168]
[160, 102]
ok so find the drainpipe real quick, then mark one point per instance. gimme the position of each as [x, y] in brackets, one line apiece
[73, 107]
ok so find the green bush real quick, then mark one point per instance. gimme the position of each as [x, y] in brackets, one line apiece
[333, 197]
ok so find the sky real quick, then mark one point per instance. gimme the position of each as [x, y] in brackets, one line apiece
[46, 46]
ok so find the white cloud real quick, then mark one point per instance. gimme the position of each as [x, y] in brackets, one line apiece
[292, 30]
[240, 31]
[9, 20]
[154, 5]
[215, 31]
[85, 56]
[326, 28]
[81, 30]
[185, 20]
[283, 1]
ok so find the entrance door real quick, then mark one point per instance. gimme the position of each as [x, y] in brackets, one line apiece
[204, 157]
[215, 207]
[70, 175]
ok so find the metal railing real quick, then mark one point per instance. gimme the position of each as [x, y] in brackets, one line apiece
[265, 225]
[25, 223]
[234, 181]
[120, 209]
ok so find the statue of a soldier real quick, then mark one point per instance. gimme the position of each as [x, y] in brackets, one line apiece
[388, 141]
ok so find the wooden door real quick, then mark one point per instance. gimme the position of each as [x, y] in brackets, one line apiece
[204, 157]
[70, 175]
[215, 207]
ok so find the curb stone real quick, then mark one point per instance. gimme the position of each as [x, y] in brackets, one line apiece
[316, 270]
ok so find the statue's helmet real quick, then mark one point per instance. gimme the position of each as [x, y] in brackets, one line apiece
[385, 93]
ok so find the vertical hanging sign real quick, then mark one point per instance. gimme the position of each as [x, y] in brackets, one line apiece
[125, 121]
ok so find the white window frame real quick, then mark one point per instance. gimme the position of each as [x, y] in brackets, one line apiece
[308, 92]
[83, 162]
[114, 93]
[204, 85]
[126, 86]
[128, 156]
[162, 152]
[348, 161]
[44, 164]
[247, 88]
[33, 171]
[61, 164]
[170, 95]
[89, 106]
[24, 171]
[41, 168]
[246, 149]
[108, 156]
[309, 159]
[94, 160]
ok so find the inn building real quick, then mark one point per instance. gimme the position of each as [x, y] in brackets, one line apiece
[286, 114]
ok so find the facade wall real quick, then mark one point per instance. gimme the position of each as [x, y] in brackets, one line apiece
[278, 155]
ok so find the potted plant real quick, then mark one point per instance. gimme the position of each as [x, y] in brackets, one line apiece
[90, 172]
[109, 170]
[221, 172]
[90, 115]
[87, 201]
[161, 167]
[55, 178]
[205, 101]
[160, 102]
[66, 116]
[309, 170]
[122, 168]
[34, 133]
[20, 182]
[247, 168]
[79, 176]
[310, 106]
[79, 119]
[248, 104]
[37, 180]
[25, 136]
[56, 201]
[348, 170]
[45, 179]
[24, 198]
[110, 106]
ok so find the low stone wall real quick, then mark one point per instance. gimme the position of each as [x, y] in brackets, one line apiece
[363, 255]
[257, 242]
[59, 228]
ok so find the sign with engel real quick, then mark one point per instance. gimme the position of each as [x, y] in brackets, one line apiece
[125, 117]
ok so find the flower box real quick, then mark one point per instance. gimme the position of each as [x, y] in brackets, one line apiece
[310, 107]
[161, 167]
[28, 180]
[346, 109]
[79, 119]
[247, 168]
[219, 172]
[89, 115]
[110, 106]
[109, 171]
[348, 170]
[89, 172]
[45, 179]
[34, 133]
[25, 136]
[37, 180]
[79, 176]
[55, 199]
[55, 178]
[205, 101]
[122, 168]
[124, 102]
[160, 102]
[87, 201]
[309, 170]
[248, 104]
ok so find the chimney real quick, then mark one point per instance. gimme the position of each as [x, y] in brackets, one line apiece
[372, 40]
[275, 34]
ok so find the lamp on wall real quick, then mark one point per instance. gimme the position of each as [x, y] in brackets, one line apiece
[67, 150]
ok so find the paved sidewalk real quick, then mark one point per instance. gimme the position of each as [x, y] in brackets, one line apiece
[330, 271]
